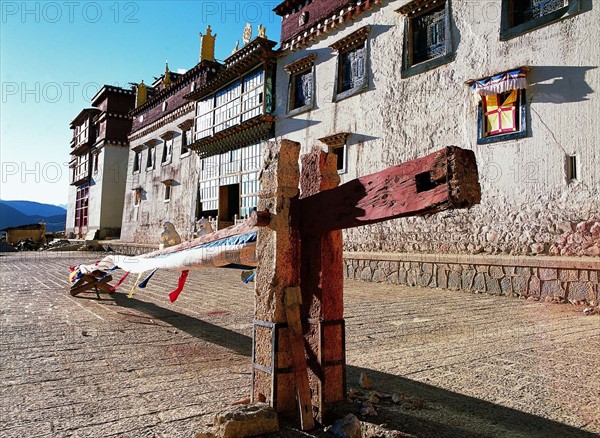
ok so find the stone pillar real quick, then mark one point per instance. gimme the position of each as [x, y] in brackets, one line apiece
[322, 291]
[278, 251]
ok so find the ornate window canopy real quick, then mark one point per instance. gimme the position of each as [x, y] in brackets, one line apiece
[301, 64]
[500, 83]
[353, 40]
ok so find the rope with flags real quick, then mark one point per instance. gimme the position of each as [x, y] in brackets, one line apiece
[233, 245]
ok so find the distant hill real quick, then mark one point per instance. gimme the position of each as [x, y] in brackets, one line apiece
[31, 208]
[15, 213]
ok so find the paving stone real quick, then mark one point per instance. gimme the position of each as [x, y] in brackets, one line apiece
[147, 367]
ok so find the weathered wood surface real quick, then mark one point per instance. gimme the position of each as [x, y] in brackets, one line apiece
[87, 282]
[442, 180]
[293, 299]
[256, 219]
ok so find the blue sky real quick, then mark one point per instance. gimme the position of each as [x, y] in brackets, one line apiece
[55, 55]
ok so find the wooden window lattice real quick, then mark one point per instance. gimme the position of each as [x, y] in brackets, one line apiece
[352, 68]
[302, 89]
[429, 35]
[526, 10]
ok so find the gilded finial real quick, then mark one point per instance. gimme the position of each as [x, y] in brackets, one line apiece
[237, 47]
[141, 94]
[207, 45]
[167, 78]
[262, 31]
[247, 33]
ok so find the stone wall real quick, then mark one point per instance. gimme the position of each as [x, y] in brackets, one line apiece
[558, 279]
[528, 207]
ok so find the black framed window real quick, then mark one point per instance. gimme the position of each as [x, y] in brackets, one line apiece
[302, 84]
[301, 88]
[502, 117]
[521, 16]
[186, 140]
[352, 64]
[137, 161]
[427, 36]
[150, 158]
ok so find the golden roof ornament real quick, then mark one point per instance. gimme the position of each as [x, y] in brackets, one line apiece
[207, 45]
[167, 78]
[262, 31]
[237, 47]
[247, 33]
[141, 94]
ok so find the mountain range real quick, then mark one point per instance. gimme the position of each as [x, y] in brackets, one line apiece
[15, 213]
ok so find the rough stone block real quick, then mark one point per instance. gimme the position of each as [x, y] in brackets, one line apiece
[496, 272]
[467, 279]
[442, 278]
[506, 285]
[402, 276]
[246, 420]
[519, 285]
[479, 282]
[366, 274]
[534, 286]
[552, 288]
[491, 285]
[568, 275]
[548, 274]
[594, 276]
[509, 270]
[379, 276]
[482, 268]
[424, 280]
[580, 290]
[454, 280]
[393, 278]
[525, 271]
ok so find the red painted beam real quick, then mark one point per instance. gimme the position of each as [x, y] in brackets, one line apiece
[446, 179]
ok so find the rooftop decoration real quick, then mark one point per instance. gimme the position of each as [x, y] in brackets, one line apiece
[247, 34]
[207, 45]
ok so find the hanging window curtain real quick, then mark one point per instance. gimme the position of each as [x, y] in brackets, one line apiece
[500, 112]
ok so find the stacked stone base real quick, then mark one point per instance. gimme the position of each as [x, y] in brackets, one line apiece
[561, 278]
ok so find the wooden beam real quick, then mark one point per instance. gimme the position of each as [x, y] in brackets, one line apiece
[443, 180]
[293, 299]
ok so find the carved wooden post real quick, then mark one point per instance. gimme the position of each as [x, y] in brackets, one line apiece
[278, 355]
[322, 284]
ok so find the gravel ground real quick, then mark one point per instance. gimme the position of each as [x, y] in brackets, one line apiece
[484, 365]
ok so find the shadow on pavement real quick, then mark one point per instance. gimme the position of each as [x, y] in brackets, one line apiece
[232, 340]
[446, 414]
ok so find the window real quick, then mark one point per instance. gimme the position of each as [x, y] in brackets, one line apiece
[81, 206]
[137, 196]
[168, 188]
[502, 112]
[151, 157]
[301, 85]
[337, 145]
[81, 167]
[186, 140]
[236, 103]
[137, 161]
[167, 153]
[502, 117]
[427, 37]
[521, 16]
[572, 168]
[351, 70]
[96, 158]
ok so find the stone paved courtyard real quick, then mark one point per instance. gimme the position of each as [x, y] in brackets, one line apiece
[485, 365]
